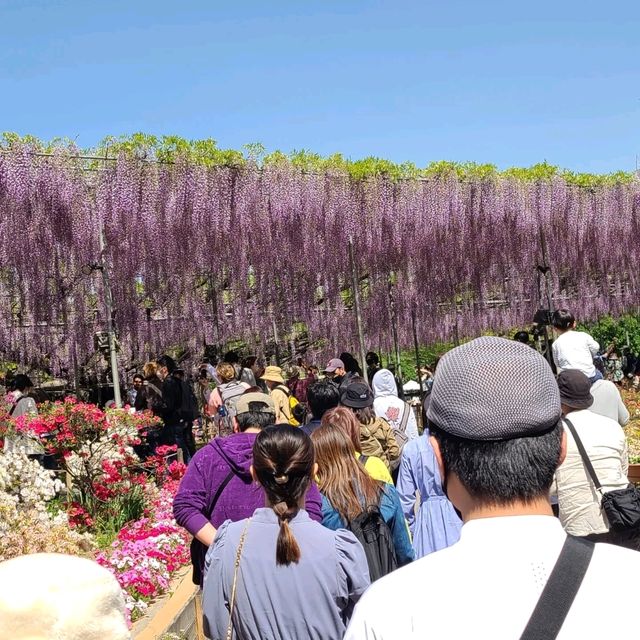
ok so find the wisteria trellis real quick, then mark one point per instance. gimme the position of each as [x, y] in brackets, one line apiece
[204, 255]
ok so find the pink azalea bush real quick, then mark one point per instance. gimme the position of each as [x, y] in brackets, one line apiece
[147, 552]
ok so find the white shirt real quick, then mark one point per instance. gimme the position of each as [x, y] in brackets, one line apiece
[578, 500]
[487, 585]
[607, 401]
[575, 350]
[20, 442]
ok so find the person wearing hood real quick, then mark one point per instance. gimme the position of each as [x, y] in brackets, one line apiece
[218, 485]
[387, 405]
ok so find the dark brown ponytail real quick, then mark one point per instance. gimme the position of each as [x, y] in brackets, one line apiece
[283, 463]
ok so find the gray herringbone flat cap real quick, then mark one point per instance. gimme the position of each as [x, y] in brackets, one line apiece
[494, 389]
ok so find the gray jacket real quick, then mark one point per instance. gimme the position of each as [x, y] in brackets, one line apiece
[311, 599]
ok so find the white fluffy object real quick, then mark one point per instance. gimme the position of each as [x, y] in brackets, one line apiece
[51, 596]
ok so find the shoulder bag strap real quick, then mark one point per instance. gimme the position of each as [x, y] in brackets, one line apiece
[218, 493]
[154, 388]
[232, 602]
[285, 390]
[405, 418]
[363, 459]
[15, 405]
[560, 591]
[583, 454]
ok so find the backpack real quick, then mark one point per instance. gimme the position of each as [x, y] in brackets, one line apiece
[189, 404]
[370, 444]
[296, 410]
[374, 535]
[229, 394]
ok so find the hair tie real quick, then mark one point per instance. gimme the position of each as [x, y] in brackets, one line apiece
[282, 478]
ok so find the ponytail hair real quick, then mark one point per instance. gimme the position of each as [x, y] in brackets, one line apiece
[283, 463]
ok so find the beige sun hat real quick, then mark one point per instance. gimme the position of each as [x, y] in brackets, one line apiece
[273, 374]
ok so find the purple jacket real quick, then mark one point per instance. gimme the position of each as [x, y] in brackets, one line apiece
[240, 498]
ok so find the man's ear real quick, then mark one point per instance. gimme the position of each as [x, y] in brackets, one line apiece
[436, 450]
[563, 448]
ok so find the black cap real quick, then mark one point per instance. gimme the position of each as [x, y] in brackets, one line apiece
[575, 389]
[357, 395]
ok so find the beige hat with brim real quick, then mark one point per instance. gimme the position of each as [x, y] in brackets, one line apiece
[273, 374]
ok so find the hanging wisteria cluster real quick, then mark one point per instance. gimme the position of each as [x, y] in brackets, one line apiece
[204, 255]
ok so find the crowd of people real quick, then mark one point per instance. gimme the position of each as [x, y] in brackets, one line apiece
[319, 509]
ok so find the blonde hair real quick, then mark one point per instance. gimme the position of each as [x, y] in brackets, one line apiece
[150, 369]
[226, 372]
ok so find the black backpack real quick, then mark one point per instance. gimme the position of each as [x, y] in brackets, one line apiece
[189, 406]
[375, 537]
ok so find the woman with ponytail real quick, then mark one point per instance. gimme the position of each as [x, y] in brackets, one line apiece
[279, 574]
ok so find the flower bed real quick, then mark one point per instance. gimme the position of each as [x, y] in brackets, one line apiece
[113, 506]
[147, 552]
[631, 399]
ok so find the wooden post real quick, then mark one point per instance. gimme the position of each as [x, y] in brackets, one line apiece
[394, 331]
[417, 350]
[356, 307]
[276, 339]
[545, 269]
[108, 303]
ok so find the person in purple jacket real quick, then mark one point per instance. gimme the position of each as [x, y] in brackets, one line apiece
[218, 485]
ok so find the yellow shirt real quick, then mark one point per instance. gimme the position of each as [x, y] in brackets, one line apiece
[376, 468]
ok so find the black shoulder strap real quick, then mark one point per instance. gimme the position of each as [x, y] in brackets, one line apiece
[560, 591]
[218, 493]
[363, 459]
[583, 454]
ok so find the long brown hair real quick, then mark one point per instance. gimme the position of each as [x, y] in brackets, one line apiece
[341, 478]
[283, 464]
[346, 420]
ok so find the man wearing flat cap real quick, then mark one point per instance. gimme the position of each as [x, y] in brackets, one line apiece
[496, 430]
[605, 443]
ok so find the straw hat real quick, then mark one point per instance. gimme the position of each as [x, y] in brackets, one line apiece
[273, 374]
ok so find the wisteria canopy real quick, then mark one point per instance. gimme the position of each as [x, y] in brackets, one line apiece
[204, 253]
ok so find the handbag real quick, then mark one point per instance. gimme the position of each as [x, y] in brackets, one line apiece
[235, 580]
[621, 506]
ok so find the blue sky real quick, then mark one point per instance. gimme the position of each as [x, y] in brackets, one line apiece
[512, 83]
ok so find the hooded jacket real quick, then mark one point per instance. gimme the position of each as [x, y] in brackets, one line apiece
[239, 499]
[387, 405]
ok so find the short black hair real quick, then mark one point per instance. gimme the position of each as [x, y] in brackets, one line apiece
[167, 361]
[372, 358]
[255, 420]
[231, 357]
[562, 319]
[138, 376]
[322, 396]
[522, 336]
[505, 471]
[22, 382]
[351, 365]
